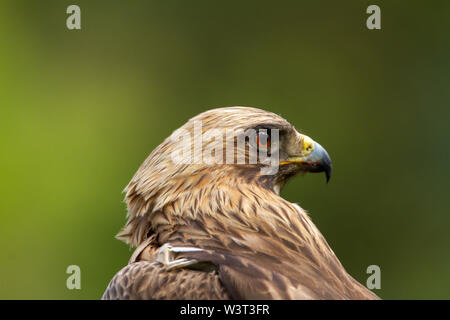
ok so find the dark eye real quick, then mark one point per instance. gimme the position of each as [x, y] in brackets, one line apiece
[263, 140]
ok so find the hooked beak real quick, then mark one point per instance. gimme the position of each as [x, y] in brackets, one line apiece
[314, 158]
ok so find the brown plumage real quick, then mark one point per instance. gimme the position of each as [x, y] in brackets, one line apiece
[255, 244]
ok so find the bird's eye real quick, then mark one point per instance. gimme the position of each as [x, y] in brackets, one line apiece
[263, 140]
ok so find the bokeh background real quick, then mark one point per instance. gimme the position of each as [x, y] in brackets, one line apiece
[80, 111]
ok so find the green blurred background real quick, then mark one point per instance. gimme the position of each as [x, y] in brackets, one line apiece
[80, 111]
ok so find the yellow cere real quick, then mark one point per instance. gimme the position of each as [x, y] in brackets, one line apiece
[308, 145]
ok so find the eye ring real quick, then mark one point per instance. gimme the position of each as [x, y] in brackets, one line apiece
[263, 140]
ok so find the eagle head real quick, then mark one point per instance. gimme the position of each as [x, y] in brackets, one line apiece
[216, 152]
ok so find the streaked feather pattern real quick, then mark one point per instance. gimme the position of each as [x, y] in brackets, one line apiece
[262, 246]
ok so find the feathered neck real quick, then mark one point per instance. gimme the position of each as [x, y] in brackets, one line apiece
[220, 201]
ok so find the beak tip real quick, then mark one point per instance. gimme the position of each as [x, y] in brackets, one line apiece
[328, 175]
[325, 162]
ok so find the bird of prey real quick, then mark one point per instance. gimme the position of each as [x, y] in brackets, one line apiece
[219, 229]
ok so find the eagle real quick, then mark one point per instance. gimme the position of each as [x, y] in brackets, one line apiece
[217, 228]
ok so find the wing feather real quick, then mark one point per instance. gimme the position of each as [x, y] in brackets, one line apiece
[151, 281]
